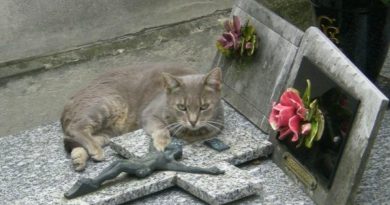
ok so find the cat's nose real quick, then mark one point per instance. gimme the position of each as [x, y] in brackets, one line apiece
[193, 123]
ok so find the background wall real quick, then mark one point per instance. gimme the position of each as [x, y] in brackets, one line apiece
[39, 27]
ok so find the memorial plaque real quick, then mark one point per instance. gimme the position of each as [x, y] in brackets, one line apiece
[251, 86]
[339, 109]
[353, 108]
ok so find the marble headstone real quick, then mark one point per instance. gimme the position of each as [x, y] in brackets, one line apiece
[318, 53]
[252, 86]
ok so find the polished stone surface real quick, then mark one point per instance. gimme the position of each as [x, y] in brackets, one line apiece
[276, 189]
[234, 184]
[37, 170]
[279, 189]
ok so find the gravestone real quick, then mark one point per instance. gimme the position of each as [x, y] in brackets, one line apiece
[330, 71]
[252, 86]
[285, 58]
[37, 170]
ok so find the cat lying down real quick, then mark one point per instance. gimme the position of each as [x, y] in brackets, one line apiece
[163, 99]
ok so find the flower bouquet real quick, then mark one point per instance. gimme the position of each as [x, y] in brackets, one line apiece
[237, 41]
[297, 117]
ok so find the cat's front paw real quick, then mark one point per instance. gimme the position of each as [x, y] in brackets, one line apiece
[160, 144]
[161, 139]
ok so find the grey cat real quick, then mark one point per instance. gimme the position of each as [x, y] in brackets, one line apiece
[164, 100]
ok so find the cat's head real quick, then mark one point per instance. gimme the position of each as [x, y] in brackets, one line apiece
[193, 100]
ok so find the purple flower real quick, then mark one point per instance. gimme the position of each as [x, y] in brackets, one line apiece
[230, 39]
[233, 26]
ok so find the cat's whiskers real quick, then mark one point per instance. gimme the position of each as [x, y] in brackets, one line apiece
[174, 127]
[215, 122]
[171, 125]
[178, 130]
[211, 124]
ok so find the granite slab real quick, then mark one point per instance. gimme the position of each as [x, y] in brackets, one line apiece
[35, 169]
[234, 184]
[124, 188]
[276, 189]
[137, 142]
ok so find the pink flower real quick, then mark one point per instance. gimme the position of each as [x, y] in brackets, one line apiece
[288, 115]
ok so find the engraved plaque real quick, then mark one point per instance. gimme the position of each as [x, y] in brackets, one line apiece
[299, 170]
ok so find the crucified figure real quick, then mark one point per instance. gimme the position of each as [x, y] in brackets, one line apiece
[140, 168]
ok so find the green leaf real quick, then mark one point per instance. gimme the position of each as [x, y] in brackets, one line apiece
[253, 45]
[312, 110]
[321, 124]
[248, 31]
[306, 94]
[300, 141]
[251, 51]
[313, 132]
[242, 48]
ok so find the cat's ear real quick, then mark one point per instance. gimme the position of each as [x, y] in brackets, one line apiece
[171, 83]
[214, 79]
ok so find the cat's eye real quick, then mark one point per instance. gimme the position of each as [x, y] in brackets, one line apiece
[181, 107]
[204, 107]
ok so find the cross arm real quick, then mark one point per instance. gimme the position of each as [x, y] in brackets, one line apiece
[176, 166]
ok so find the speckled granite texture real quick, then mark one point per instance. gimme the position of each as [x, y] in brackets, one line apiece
[279, 189]
[234, 184]
[35, 169]
[375, 185]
